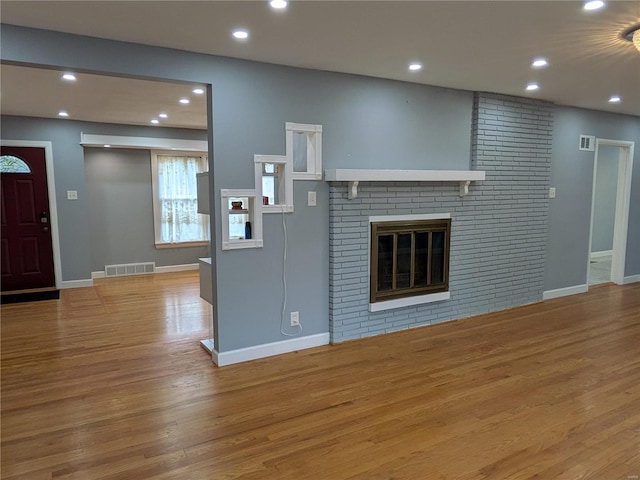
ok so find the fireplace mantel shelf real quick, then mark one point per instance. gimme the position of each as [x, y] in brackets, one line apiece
[355, 176]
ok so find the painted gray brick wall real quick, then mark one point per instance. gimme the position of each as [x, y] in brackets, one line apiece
[498, 232]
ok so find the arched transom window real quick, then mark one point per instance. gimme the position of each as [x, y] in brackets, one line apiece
[12, 164]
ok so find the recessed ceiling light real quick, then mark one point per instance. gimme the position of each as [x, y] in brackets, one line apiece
[615, 99]
[163, 115]
[539, 63]
[198, 91]
[278, 4]
[415, 66]
[63, 113]
[593, 5]
[107, 146]
[240, 34]
[184, 101]
[532, 87]
[155, 121]
[69, 77]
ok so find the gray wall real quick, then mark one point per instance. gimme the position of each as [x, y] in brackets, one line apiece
[570, 212]
[498, 231]
[121, 211]
[367, 123]
[75, 217]
[604, 201]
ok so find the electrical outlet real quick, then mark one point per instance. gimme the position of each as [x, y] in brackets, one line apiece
[295, 319]
[311, 199]
[552, 192]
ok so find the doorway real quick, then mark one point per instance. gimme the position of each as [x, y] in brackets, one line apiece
[611, 194]
[30, 252]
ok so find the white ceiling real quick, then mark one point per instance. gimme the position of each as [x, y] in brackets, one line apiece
[97, 98]
[470, 45]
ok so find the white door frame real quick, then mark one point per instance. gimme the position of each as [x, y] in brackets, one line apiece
[51, 191]
[623, 199]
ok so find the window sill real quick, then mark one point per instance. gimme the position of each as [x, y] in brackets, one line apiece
[203, 243]
[409, 301]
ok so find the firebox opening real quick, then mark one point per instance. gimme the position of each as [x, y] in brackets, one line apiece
[409, 260]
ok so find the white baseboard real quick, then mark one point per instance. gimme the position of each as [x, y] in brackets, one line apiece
[631, 279]
[604, 253]
[75, 284]
[269, 349]
[207, 344]
[166, 269]
[177, 268]
[563, 292]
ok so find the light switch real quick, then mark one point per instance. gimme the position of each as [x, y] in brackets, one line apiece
[552, 192]
[311, 199]
[72, 195]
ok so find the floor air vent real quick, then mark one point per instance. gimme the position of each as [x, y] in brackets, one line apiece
[129, 269]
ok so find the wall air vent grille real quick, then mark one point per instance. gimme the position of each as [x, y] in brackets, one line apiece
[129, 269]
[587, 143]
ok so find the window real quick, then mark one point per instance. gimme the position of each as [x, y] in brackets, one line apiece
[11, 164]
[177, 222]
[409, 258]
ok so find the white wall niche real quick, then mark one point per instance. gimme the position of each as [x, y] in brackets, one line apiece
[274, 183]
[234, 219]
[304, 150]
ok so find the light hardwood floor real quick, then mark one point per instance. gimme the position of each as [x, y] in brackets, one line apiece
[110, 383]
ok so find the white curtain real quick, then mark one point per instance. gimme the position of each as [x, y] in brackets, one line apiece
[178, 201]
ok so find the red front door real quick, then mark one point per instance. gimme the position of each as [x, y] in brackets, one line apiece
[27, 254]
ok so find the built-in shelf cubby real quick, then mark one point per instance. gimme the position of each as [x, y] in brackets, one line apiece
[241, 218]
[274, 183]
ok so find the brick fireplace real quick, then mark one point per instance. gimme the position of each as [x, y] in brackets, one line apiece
[498, 231]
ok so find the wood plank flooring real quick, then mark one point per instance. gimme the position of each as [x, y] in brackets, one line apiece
[110, 382]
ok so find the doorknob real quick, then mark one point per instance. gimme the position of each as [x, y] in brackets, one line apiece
[43, 218]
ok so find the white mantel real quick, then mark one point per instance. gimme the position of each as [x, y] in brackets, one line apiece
[355, 176]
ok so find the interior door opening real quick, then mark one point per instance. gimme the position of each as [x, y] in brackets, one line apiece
[611, 194]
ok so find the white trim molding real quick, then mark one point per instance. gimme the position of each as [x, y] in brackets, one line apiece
[603, 253]
[145, 143]
[75, 284]
[177, 268]
[564, 292]
[269, 349]
[409, 301]
[623, 201]
[631, 279]
[408, 218]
